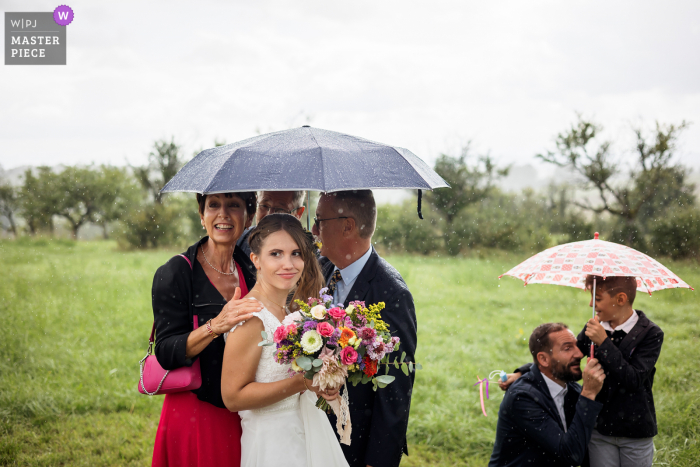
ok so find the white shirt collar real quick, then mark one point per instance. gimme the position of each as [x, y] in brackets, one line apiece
[554, 388]
[626, 326]
[350, 273]
[558, 394]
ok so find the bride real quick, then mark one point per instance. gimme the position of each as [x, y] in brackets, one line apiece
[281, 425]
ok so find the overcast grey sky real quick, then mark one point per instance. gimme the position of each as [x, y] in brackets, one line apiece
[422, 75]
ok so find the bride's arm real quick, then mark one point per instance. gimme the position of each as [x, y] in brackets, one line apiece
[241, 357]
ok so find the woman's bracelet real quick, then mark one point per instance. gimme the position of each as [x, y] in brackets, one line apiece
[210, 332]
[307, 387]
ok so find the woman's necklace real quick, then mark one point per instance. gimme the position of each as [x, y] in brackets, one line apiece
[211, 266]
[283, 307]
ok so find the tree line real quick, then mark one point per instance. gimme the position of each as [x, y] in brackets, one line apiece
[644, 201]
[124, 201]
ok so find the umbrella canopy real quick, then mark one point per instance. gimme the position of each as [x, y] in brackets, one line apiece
[304, 159]
[569, 264]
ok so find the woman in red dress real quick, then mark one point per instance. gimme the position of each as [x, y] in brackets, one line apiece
[209, 280]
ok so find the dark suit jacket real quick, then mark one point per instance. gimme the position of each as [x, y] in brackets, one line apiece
[529, 429]
[628, 403]
[177, 292]
[380, 419]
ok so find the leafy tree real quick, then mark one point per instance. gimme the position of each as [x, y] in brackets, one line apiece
[470, 183]
[118, 192]
[38, 198]
[9, 205]
[653, 180]
[163, 163]
[151, 225]
[563, 219]
[506, 221]
[154, 222]
[677, 234]
[80, 192]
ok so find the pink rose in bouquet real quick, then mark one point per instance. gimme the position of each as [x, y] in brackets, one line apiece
[280, 334]
[348, 355]
[325, 329]
[337, 313]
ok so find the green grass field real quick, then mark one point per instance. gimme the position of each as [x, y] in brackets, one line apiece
[76, 318]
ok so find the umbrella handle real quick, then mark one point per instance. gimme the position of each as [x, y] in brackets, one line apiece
[308, 210]
[593, 307]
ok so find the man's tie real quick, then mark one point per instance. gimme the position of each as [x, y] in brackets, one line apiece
[335, 278]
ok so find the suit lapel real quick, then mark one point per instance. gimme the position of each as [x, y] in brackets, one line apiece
[327, 268]
[635, 335]
[542, 387]
[570, 401]
[362, 284]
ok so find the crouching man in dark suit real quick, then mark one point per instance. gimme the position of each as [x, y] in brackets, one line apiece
[546, 418]
[344, 223]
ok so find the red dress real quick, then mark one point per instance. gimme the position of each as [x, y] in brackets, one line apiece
[193, 433]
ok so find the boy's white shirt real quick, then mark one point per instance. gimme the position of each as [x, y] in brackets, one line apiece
[626, 326]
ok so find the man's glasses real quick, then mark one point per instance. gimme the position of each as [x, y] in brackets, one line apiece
[317, 221]
[272, 210]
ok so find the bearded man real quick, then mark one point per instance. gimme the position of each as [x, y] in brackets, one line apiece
[546, 418]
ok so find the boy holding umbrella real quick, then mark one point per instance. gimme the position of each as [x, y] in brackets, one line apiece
[626, 343]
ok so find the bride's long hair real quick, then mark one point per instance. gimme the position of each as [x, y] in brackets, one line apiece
[311, 280]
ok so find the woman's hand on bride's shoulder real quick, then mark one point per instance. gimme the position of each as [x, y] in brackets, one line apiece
[235, 311]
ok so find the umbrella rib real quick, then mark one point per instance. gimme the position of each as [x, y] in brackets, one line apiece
[323, 163]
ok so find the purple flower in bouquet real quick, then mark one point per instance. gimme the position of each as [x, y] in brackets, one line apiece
[391, 344]
[324, 295]
[367, 335]
[377, 350]
[333, 340]
[309, 325]
[362, 319]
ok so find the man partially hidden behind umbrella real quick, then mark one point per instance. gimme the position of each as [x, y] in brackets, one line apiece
[546, 418]
[353, 270]
[274, 202]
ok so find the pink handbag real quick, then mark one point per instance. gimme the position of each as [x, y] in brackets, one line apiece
[155, 380]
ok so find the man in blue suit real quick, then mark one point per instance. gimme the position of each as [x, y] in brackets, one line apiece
[546, 418]
[353, 270]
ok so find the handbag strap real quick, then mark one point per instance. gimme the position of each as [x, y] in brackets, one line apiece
[195, 318]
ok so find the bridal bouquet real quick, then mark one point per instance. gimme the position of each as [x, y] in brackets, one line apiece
[332, 345]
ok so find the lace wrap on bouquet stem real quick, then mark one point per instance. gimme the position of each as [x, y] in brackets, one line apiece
[341, 408]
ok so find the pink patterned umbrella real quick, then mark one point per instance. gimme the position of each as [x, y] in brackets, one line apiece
[569, 264]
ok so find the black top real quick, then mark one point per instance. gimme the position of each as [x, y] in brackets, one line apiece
[380, 419]
[530, 431]
[629, 362]
[178, 293]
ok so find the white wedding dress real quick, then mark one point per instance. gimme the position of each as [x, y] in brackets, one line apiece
[291, 432]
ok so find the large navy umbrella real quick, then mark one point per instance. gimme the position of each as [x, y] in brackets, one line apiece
[304, 159]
